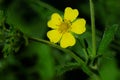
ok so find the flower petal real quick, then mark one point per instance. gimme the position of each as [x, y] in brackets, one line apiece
[78, 26]
[54, 35]
[55, 21]
[67, 40]
[70, 14]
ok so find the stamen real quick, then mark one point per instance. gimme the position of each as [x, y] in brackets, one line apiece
[64, 27]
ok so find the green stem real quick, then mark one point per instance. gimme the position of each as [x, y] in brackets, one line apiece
[80, 61]
[93, 29]
[86, 54]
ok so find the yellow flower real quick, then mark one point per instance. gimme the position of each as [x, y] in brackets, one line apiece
[63, 28]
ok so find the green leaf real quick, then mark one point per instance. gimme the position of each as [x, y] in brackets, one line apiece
[62, 69]
[78, 49]
[107, 38]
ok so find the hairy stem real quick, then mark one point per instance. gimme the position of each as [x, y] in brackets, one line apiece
[93, 29]
[80, 61]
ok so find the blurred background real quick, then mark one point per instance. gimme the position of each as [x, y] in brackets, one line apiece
[24, 59]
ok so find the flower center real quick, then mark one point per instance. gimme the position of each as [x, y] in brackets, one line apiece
[64, 27]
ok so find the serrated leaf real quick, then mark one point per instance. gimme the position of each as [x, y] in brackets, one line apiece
[107, 38]
[67, 67]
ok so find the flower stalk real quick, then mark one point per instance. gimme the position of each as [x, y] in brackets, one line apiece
[93, 29]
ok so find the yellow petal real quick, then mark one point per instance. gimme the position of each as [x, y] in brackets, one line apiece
[78, 26]
[70, 14]
[55, 21]
[54, 35]
[67, 40]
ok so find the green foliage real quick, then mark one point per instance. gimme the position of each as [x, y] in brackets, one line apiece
[107, 38]
[32, 62]
[26, 53]
[13, 41]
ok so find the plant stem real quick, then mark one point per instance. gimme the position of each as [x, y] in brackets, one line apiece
[86, 54]
[80, 61]
[93, 29]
